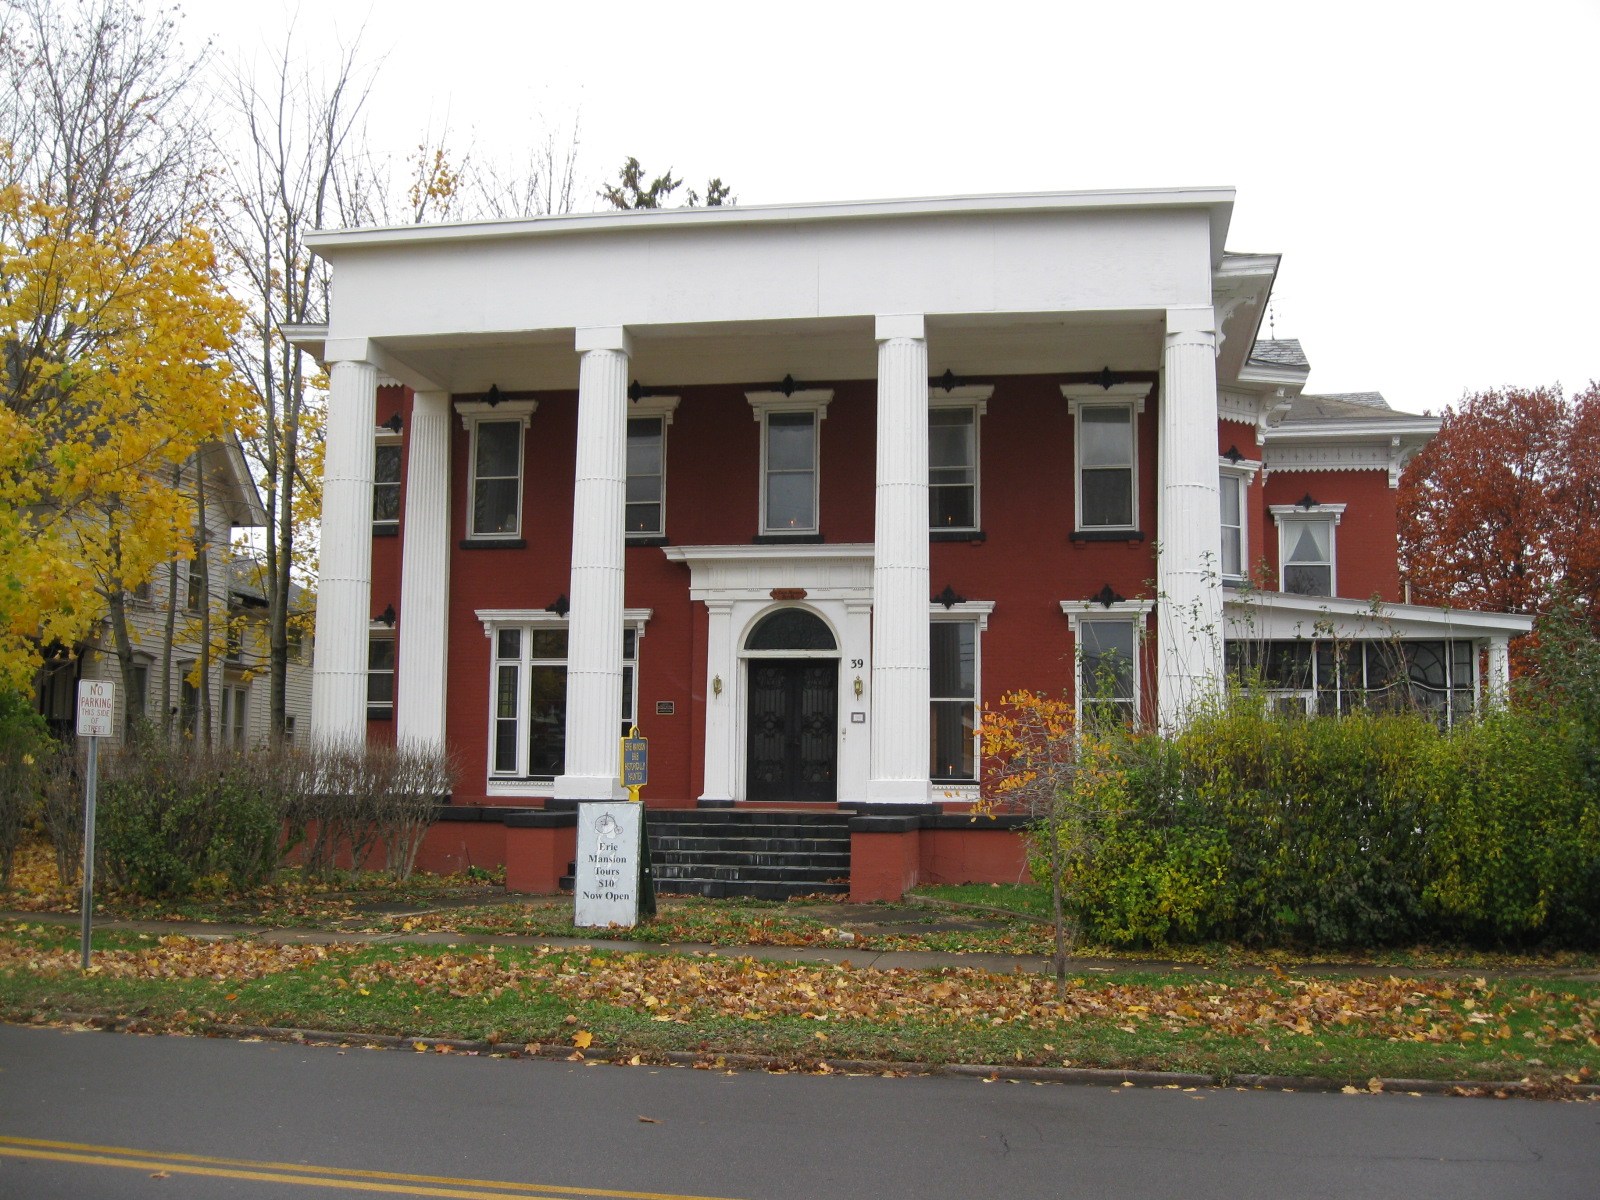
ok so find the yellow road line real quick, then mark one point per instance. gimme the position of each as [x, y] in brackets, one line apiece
[307, 1176]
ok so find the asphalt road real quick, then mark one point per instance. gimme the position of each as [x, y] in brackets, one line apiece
[90, 1115]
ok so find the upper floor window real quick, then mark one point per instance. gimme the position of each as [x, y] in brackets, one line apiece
[646, 494]
[496, 478]
[1233, 504]
[1105, 437]
[196, 584]
[953, 455]
[495, 462]
[1306, 547]
[385, 486]
[789, 458]
[1105, 466]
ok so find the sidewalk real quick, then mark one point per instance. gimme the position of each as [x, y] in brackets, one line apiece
[862, 958]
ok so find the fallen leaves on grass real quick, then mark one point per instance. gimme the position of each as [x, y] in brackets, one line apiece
[172, 957]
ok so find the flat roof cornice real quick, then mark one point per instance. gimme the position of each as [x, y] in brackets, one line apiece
[1217, 199]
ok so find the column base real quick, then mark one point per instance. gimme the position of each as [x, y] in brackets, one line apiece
[899, 791]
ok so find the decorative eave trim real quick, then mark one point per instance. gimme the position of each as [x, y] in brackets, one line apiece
[476, 410]
[1079, 394]
[963, 610]
[801, 400]
[654, 406]
[492, 617]
[1240, 407]
[1390, 455]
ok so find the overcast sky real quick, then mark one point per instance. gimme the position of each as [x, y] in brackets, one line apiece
[1427, 170]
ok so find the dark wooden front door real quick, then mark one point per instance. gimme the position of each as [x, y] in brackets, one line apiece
[793, 740]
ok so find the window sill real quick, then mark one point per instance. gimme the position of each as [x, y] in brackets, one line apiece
[1108, 535]
[505, 785]
[788, 539]
[957, 535]
[388, 530]
[493, 544]
[647, 539]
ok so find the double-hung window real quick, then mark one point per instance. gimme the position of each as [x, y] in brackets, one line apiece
[386, 487]
[953, 638]
[380, 677]
[496, 467]
[953, 418]
[1306, 562]
[528, 694]
[645, 504]
[790, 458]
[1109, 638]
[1106, 441]
[1233, 504]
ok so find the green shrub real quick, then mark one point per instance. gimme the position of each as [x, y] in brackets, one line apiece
[1515, 842]
[170, 816]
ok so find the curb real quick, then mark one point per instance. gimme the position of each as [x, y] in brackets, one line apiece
[712, 1060]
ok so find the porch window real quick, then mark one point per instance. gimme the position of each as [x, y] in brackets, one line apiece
[528, 700]
[1309, 676]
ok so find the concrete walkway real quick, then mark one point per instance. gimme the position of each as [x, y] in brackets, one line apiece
[864, 916]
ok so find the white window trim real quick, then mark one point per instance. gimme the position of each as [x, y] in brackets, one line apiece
[976, 612]
[974, 398]
[1079, 396]
[495, 619]
[384, 436]
[1245, 472]
[1080, 612]
[1286, 516]
[811, 400]
[663, 407]
[474, 412]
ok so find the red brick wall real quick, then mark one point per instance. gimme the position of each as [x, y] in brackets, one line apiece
[1365, 541]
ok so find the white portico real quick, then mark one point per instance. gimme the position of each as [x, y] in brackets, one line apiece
[896, 292]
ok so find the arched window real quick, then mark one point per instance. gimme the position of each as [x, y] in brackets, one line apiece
[791, 629]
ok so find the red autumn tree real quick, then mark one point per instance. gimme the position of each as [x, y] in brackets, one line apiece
[1501, 510]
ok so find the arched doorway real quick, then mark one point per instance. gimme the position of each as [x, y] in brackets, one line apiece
[791, 718]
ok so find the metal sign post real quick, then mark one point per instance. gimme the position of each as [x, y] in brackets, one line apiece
[97, 709]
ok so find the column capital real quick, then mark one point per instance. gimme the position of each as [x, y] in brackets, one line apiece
[898, 325]
[603, 337]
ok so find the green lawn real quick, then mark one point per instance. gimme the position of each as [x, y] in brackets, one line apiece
[615, 1004]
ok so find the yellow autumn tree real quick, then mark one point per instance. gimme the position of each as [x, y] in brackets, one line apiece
[114, 374]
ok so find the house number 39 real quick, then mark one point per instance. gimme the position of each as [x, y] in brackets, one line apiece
[856, 663]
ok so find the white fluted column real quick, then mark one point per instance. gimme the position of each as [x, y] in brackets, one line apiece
[344, 578]
[1498, 684]
[900, 591]
[420, 679]
[1189, 550]
[594, 624]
